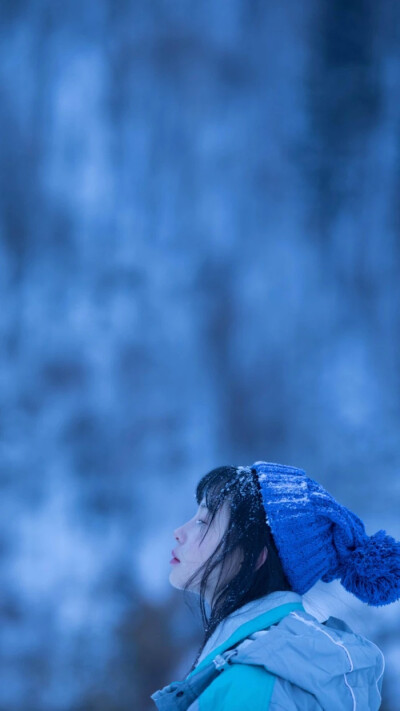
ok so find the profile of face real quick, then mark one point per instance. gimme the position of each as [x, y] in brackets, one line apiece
[195, 544]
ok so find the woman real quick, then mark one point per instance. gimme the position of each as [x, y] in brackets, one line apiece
[261, 537]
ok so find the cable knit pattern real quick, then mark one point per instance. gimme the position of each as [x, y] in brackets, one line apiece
[317, 538]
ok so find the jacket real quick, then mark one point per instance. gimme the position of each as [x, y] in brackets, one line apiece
[281, 658]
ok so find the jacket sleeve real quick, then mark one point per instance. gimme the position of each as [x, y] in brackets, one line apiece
[240, 687]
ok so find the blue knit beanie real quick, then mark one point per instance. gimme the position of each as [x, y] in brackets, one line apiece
[317, 538]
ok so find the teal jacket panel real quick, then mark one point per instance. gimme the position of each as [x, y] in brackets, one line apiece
[238, 688]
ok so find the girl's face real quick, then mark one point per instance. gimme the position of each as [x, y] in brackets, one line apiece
[193, 548]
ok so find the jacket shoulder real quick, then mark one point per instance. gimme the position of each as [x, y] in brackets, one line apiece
[239, 687]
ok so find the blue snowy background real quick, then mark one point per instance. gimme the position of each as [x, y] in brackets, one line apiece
[199, 265]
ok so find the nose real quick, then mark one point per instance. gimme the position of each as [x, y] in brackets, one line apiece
[178, 534]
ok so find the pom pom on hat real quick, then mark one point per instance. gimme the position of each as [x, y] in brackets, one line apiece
[317, 538]
[372, 570]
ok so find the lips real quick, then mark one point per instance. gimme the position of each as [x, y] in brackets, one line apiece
[174, 558]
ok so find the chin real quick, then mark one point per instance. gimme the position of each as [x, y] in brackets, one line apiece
[174, 580]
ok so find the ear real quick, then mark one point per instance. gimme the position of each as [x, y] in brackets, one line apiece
[262, 558]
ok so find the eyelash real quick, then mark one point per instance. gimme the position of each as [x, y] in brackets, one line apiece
[200, 521]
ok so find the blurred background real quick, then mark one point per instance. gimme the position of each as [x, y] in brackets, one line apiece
[199, 265]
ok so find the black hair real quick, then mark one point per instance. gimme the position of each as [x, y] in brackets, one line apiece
[247, 533]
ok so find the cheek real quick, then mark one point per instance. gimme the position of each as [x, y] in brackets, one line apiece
[200, 552]
[197, 552]
[198, 548]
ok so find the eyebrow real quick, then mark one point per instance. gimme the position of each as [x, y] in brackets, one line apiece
[203, 506]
